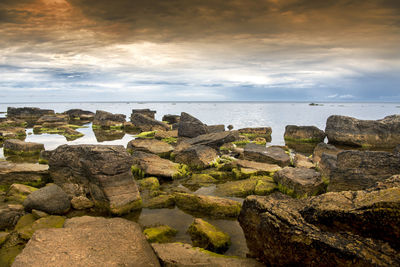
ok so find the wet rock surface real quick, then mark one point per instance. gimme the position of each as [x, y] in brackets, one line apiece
[23, 173]
[15, 146]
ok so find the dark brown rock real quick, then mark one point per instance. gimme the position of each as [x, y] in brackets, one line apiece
[50, 199]
[197, 157]
[214, 140]
[322, 148]
[106, 119]
[16, 146]
[253, 133]
[171, 119]
[190, 127]
[79, 114]
[28, 113]
[305, 134]
[272, 155]
[146, 123]
[215, 128]
[9, 216]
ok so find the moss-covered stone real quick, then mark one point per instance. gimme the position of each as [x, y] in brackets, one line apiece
[160, 234]
[219, 174]
[8, 254]
[27, 231]
[137, 172]
[207, 236]
[160, 202]
[265, 185]
[149, 134]
[150, 184]
[3, 237]
[170, 140]
[198, 180]
[43, 161]
[19, 192]
[25, 221]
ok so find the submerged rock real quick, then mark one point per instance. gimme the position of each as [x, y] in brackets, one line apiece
[50, 199]
[272, 155]
[190, 127]
[103, 172]
[384, 133]
[89, 241]
[159, 234]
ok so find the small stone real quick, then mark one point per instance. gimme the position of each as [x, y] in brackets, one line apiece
[160, 234]
[81, 203]
[51, 199]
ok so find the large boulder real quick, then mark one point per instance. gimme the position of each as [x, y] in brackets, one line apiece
[18, 147]
[190, 127]
[303, 134]
[9, 216]
[146, 123]
[103, 172]
[197, 157]
[146, 164]
[28, 113]
[106, 119]
[357, 228]
[179, 254]
[89, 241]
[146, 112]
[356, 170]
[154, 146]
[272, 155]
[384, 133]
[299, 182]
[50, 199]
[27, 173]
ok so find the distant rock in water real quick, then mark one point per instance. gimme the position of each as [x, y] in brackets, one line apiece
[79, 114]
[146, 123]
[106, 119]
[146, 112]
[28, 112]
[384, 133]
[306, 134]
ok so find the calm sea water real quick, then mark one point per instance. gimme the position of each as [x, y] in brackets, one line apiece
[240, 114]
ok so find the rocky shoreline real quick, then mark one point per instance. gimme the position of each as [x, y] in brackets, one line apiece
[305, 203]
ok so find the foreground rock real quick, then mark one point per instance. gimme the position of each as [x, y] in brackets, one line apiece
[153, 146]
[106, 119]
[27, 173]
[103, 172]
[190, 127]
[272, 155]
[197, 157]
[179, 254]
[384, 133]
[18, 147]
[89, 241]
[303, 134]
[146, 164]
[146, 123]
[207, 236]
[356, 170]
[50, 199]
[358, 228]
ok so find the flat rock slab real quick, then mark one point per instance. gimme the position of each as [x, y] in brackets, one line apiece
[22, 172]
[197, 157]
[259, 166]
[272, 155]
[22, 146]
[153, 165]
[214, 140]
[179, 254]
[88, 241]
[150, 146]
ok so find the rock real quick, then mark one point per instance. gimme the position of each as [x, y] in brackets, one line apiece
[160, 234]
[179, 254]
[301, 161]
[6, 123]
[190, 127]
[89, 241]
[146, 112]
[154, 146]
[215, 128]
[333, 229]
[3, 237]
[257, 185]
[162, 135]
[357, 170]
[253, 133]
[299, 182]
[18, 147]
[160, 202]
[171, 119]
[322, 148]
[214, 140]
[28, 113]
[52, 121]
[148, 124]
[39, 214]
[153, 165]
[19, 192]
[208, 205]
[103, 172]
[106, 119]
[396, 150]
[108, 135]
[50, 199]
[12, 133]
[303, 134]
[198, 180]
[272, 155]
[327, 165]
[9, 216]
[197, 156]
[81, 203]
[260, 167]
[26, 231]
[26, 173]
[207, 236]
[150, 184]
[79, 114]
[230, 127]
[384, 133]
[265, 185]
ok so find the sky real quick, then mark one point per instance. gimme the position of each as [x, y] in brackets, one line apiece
[199, 50]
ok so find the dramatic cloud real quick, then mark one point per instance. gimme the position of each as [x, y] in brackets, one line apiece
[344, 50]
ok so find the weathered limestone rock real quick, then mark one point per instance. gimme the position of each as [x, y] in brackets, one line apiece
[79, 114]
[19, 192]
[89, 241]
[18, 147]
[179, 254]
[146, 112]
[171, 119]
[50, 199]
[257, 185]
[163, 135]
[207, 236]
[103, 172]
[9, 216]
[12, 133]
[272, 155]
[106, 119]
[146, 123]
[153, 165]
[190, 127]
[197, 157]
[26, 173]
[52, 121]
[299, 181]
[357, 228]
[153, 146]
[208, 205]
[303, 134]
[215, 128]
[160, 234]
[356, 170]
[384, 133]
[253, 133]
[322, 148]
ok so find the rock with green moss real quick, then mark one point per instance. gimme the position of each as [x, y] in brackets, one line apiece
[265, 185]
[253, 133]
[240, 188]
[18, 147]
[150, 184]
[197, 156]
[81, 203]
[160, 234]
[3, 237]
[211, 206]
[219, 174]
[159, 202]
[180, 254]
[9, 216]
[198, 180]
[23, 173]
[106, 119]
[146, 164]
[8, 254]
[103, 135]
[304, 134]
[27, 231]
[209, 237]
[153, 146]
[12, 133]
[302, 161]
[19, 192]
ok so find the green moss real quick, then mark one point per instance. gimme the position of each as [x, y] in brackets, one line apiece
[7, 255]
[150, 183]
[301, 140]
[124, 209]
[48, 130]
[27, 231]
[265, 185]
[241, 143]
[43, 161]
[95, 126]
[287, 191]
[38, 183]
[4, 188]
[150, 134]
[24, 221]
[224, 148]
[137, 172]
[73, 126]
[21, 153]
[117, 127]
[160, 234]
[170, 140]
[160, 202]
[3, 237]
[71, 137]
[183, 171]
